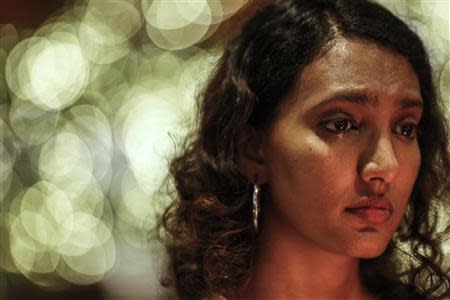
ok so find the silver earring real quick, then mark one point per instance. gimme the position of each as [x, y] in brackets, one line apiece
[255, 211]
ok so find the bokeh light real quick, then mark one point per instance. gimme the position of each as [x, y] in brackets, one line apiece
[30, 123]
[444, 83]
[49, 71]
[66, 162]
[175, 25]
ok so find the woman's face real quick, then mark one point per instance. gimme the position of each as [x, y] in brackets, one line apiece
[345, 134]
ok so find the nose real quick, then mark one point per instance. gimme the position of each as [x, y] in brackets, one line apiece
[379, 164]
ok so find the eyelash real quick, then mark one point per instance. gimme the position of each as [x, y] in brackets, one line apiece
[354, 126]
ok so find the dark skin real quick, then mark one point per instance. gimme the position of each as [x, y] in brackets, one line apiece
[318, 158]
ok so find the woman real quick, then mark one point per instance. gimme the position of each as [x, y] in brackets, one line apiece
[319, 165]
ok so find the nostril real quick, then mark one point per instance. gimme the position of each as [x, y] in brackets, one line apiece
[379, 186]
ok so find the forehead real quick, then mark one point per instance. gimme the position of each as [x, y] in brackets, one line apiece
[359, 64]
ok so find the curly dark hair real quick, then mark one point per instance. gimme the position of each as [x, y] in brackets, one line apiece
[207, 229]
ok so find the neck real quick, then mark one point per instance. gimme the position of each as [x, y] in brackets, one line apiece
[288, 267]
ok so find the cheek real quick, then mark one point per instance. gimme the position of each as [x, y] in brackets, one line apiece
[410, 165]
[312, 169]
[407, 176]
[402, 187]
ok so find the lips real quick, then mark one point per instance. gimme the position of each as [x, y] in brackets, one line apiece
[380, 203]
[371, 210]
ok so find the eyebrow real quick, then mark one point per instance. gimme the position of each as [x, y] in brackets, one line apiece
[366, 100]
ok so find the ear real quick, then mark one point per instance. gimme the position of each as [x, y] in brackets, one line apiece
[251, 158]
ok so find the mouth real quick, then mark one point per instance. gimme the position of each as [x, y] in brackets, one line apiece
[371, 211]
[370, 215]
[372, 202]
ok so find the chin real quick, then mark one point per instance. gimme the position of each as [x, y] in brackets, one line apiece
[370, 254]
[368, 249]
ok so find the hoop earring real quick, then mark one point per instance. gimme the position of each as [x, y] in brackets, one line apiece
[255, 211]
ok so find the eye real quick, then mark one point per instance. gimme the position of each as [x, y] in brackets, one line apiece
[340, 125]
[408, 130]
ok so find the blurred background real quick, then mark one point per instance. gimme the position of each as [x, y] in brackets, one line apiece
[95, 97]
